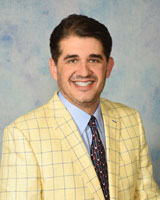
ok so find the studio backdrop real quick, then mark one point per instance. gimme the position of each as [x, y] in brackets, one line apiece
[25, 82]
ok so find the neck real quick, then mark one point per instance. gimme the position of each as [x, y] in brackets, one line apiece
[88, 108]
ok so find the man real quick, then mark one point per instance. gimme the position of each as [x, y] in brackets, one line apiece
[78, 145]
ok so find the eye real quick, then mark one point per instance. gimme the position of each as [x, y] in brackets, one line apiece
[93, 60]
[72, 61]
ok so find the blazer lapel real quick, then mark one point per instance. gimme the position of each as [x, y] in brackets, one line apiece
[112, 131]
[74, 142]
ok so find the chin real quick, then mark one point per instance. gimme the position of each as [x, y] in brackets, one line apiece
[87, 101]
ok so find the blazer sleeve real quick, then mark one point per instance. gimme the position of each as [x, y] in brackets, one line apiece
[19, 171]
[146, 188]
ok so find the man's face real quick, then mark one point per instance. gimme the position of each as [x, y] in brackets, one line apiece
[81, 70]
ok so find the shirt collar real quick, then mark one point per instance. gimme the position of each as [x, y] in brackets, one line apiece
[80, 117]
[98, 116]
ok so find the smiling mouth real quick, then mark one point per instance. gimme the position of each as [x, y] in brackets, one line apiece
[79, 83]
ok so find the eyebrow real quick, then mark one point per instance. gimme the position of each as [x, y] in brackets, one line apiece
[91, 56]
[96, 56]
[70, 56]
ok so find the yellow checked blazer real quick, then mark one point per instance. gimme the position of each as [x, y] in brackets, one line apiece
[44, 157]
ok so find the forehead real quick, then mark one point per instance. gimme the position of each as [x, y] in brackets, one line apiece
[77, 44]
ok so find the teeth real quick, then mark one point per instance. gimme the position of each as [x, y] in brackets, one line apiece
[83, 83]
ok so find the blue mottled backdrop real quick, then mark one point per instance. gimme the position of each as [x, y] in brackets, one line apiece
[25, 82]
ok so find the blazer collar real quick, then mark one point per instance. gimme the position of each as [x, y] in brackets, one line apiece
[112, 130]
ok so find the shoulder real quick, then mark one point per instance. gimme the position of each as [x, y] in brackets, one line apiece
[127, 117]
[36, 117]
[29, 119]
[116, 109]
[38, 122]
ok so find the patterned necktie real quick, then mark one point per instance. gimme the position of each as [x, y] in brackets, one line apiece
[98, 158]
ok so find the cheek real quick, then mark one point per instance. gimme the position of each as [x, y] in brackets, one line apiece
[101, 74]
[68, 73]
[64, 75]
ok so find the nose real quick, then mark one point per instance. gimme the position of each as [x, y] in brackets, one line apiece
[83, 69]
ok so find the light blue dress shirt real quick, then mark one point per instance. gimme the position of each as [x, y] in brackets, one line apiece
[81, 120]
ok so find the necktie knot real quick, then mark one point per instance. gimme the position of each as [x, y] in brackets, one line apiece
[92, 122]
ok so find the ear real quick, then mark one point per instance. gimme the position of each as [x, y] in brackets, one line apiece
[110, 65]
[53, 68]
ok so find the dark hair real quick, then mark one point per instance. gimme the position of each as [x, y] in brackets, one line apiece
[82, 26]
